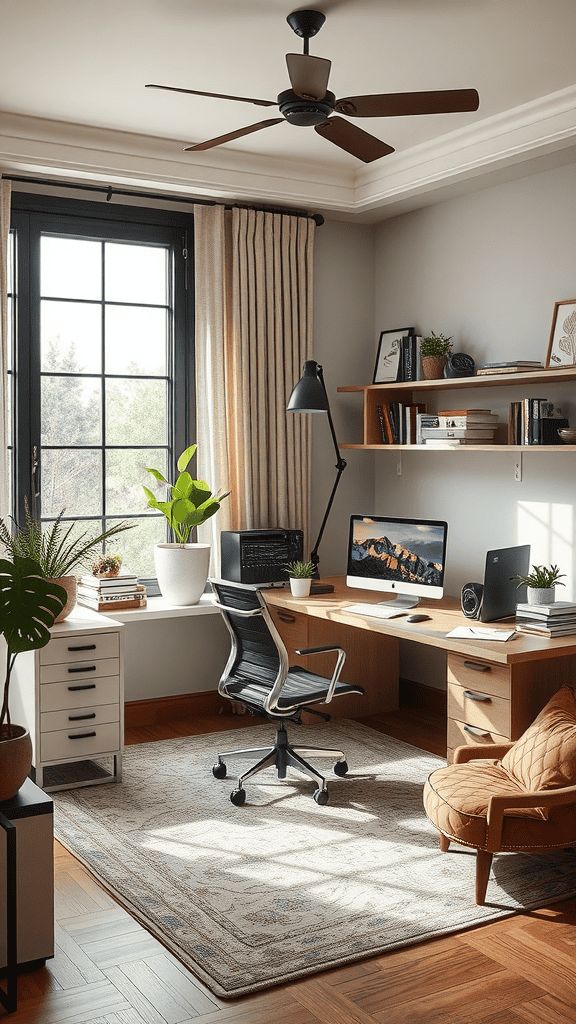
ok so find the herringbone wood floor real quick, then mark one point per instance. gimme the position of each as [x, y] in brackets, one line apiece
[109, 970]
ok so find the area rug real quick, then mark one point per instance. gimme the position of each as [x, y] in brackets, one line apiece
[253, 896]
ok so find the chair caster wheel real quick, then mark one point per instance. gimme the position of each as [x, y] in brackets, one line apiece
[238, 797]
[321, 796]
[219, 770]
[340, 768]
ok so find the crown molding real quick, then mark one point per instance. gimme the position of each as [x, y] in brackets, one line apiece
[507, 141]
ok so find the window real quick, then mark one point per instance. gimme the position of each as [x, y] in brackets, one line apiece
[102, 374]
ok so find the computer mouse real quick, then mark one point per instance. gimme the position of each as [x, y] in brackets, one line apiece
[419, 617]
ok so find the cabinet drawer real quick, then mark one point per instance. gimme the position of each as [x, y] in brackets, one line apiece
[68, 744]
[79, 672]
[80, 648]
[79, 693]
[292, 626]
[461, 734]
[476, 674]
[475, 707]
[79, 718]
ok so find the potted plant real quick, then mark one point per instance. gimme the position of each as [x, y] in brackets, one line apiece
[182, 567]
[51, 545]
[541, 584]
[434, 350]
[300, 575]
[29, 605]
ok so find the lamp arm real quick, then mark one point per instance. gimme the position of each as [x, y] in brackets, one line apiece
[340, 467]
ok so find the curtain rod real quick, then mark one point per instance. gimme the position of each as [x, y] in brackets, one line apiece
[111, 191]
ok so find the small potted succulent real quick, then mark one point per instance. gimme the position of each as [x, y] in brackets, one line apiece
[434, 349]
[300, 575]
[107, 566]
[541, 584]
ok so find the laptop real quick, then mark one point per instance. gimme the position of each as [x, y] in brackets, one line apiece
[501, 594]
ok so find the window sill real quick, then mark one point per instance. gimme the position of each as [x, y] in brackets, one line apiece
[159, 608]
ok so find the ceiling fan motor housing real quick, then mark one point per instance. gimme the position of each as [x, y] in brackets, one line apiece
[305, 112]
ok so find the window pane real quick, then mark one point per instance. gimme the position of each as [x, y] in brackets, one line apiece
[136, 340]
[72, 480]
[136, 547]
[70, 337]
[71, 411]
[126, 477]
[70, 268]
[136, 412]
[135, 273]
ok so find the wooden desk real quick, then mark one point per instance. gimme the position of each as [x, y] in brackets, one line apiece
[495, 690]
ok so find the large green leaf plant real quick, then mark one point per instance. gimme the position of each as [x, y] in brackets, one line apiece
[192, 501]
[28, 606]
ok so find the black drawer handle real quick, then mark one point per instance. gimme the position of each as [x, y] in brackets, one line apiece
[477, 666]
[81, 736]
[87, 647]
[476, 732]
[483, 698]
[286, 618]
[86, 668]
[89, 686]
[80, 718]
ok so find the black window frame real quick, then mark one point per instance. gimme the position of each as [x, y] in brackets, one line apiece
[34, 214]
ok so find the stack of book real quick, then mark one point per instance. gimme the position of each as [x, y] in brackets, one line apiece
[453, 427]
[558, 619]
[111, 593]
[517, 366]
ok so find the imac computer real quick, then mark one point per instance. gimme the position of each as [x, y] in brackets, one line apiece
[405, 557]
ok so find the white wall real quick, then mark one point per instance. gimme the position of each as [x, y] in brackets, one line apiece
[486, 268]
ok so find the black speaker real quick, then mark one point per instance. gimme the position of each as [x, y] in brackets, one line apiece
[471, 599]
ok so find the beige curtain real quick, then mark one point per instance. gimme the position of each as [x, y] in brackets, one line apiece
[253, 333]
[5, 191]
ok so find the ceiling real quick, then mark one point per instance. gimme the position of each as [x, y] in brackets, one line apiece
[72, 76]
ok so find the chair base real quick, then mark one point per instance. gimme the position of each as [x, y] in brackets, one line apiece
[283, 755]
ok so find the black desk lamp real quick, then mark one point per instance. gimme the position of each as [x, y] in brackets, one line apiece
[309, 395]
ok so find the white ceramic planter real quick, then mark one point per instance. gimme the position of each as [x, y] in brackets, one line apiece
[300, 587]
[182, 571]
[541, 595]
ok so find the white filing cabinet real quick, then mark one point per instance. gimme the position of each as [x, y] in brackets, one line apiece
[70, 695]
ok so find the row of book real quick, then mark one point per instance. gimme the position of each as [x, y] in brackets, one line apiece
[111, 593]
[449, 428]
[535, 421]
[557, 619]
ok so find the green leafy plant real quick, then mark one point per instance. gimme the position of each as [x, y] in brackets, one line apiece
[51, 545]
[192, 501]
[300, 570]
[541, 578]
[28, 606]
[436, 345]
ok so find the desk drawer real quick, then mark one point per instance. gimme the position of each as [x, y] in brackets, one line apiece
[79, 718]
[80, 648]
[79, 693]
[477, 708]
[79, 672]
[460, 734]
[476, 674]
[75, 744]
[293, 628]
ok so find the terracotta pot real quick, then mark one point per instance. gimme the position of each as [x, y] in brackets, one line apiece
[433, 367]
[15, 760]
[70, 585]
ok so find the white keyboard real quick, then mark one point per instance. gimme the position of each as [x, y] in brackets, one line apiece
[376, 611]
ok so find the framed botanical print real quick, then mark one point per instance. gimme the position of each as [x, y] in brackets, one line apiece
[562, 344]
[388, 357]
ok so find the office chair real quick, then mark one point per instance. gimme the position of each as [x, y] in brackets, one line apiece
[258, 675]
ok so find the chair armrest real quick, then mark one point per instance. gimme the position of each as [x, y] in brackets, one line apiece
[337, 669]
[498, 805]
[238, 611]
[484, 751]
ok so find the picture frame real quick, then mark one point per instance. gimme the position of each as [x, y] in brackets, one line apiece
[562, 344]
[388, 355]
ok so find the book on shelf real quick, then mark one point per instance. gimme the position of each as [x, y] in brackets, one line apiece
[469, 413]
[385, 425]
[474, 421]
[546, 611]
[481, 433]
[105, 582]
[534, 364]
[566, 629]
[129, 588]
[497, 370]
[423, 420]
[534, 421]
[454, 442]
[110, 596]
[113, 606]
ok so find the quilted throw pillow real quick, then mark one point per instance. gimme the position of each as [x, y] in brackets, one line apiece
[545, 756]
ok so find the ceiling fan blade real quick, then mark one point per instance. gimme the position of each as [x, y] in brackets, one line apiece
[400, 104]
[353, 139]
[215, 95]
[234, 135]
[308, 75]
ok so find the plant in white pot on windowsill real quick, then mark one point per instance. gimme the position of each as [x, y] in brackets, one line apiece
[300, 575]
[541, 584]
[182, 567]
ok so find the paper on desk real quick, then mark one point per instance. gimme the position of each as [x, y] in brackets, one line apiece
[480, 633]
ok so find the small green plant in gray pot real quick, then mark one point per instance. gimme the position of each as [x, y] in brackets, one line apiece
[541, 583]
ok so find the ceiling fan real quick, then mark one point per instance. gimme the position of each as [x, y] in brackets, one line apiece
[310, 103]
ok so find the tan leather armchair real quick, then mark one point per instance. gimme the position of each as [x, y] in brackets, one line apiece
[521, 797]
